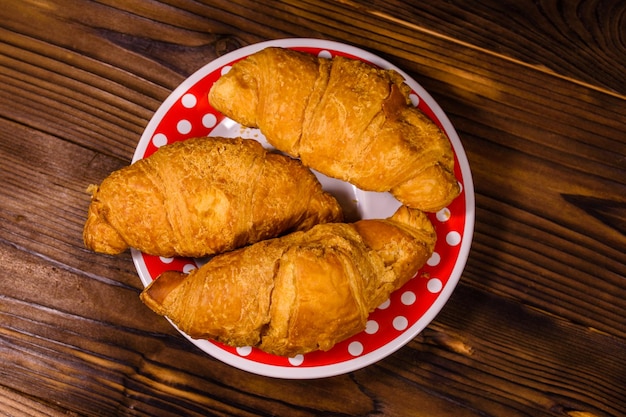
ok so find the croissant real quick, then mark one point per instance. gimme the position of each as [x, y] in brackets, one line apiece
[343, 118]
[300, 292]
[203, 196]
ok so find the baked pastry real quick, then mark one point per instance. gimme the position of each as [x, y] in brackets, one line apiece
[204, 196]
[300, 292]
[343, 118]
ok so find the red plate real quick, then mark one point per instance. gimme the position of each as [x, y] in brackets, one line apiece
[187, 113]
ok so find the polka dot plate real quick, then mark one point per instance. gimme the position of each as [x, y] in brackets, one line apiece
[187, 113]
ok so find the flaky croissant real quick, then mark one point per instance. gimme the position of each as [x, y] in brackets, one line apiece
[203, 196]
[344, 118]
[297, 293]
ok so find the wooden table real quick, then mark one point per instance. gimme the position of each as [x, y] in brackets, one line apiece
[537, 93]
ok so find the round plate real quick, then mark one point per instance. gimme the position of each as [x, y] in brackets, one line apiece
[187, 113]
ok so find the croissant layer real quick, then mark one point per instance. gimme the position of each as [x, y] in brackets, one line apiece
[297, 293]
[203, 196]
[344, 118]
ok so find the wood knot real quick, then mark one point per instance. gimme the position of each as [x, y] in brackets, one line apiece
[226, 45]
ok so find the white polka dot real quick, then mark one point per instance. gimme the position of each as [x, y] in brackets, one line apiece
[225, 69]
[244, 350]
[434, 259]
[355, 348]
[443, 215]
[414, 99]
[371, 327]
[434, 285]
[400, 323]
[166, 260]
[189, 101]
[460, 187]
[384, 305]
[183, 127]
[325, 54]
[453, 238]
[159, 140]
[188, 268]
[296, 360]
[209, 120]
[408, 298]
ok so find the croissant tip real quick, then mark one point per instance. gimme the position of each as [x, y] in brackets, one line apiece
[154, 295]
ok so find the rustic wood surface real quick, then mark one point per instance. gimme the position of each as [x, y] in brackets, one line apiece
[537, 93]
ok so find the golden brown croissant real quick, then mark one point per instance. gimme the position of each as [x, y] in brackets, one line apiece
[344, 118]
[300, 292]
[203, 196]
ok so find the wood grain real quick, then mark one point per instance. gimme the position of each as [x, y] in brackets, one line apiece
[579, 40]
[537, 94]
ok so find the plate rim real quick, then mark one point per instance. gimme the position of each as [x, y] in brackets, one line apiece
[335, 369]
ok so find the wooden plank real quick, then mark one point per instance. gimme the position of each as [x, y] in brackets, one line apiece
[15, 405]
[87, 342]
[552, 365]
[578, 40]
[539, 108]
[512, 145]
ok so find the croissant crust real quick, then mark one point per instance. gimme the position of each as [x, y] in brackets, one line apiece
[344, 118]
[297, 293]
[204, 196]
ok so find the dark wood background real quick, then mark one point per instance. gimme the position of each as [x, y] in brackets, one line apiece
[537, 93]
